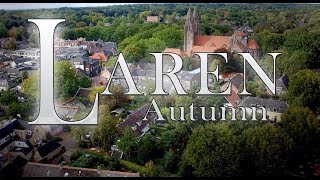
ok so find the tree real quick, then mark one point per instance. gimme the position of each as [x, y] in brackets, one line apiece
[81, 24]
[3, 32]
[170, 161]
[128, 141]
[105, 134]
[265, 150]
[302, 125]
[78, 131]
[66, 82]
[31, 86]
[84, 82]
[94, 91]
[213, 150]
[25, 75]
[8, 97]
[304, 90]
[11, 44]
[146, 149]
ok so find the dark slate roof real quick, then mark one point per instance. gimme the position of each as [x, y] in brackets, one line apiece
[48, 148]
[283, 82]
[23, 125]
[6, 127]
[24, 150]
[135, 119]
[237, 80]
[269, 104]
[21, 60]
[52, 170]
[81, 72]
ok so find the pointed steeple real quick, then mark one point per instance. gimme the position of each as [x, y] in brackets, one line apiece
[189, 14]
[195, 14]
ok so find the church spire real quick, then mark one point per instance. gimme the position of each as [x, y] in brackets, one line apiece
[189, 15]
[196, 21]
[195, 13]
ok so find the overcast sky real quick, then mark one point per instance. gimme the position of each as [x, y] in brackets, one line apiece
[12, 6]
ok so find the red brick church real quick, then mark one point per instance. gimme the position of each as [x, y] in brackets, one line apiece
[194, 42]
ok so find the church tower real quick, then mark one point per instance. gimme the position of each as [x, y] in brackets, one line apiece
[191, 29]
[196, 20]
[188, 32]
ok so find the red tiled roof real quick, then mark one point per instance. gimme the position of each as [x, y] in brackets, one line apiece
[233, 99]
[215, 42]
[99, 56]
[252, 44]
[175, 51]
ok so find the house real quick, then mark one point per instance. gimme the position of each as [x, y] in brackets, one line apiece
[107, 48]
[81, 73]
[101, 57]
[33, 53]
[50, 170]
[282, 85]
[135, 122]
[236, 80]
[22, 61]
[91, 66]
[16, 139]
[48, 151]
[274, 108]
[153, 19]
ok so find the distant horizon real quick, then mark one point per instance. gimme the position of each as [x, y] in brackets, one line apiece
[30, 6]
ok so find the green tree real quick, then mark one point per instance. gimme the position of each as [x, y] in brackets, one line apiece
[302, 125]
[106, 133]
[84, 82]
[8, 97]
[304, 90]
[213, 150]
[3, 32]
[78, 132]
[128, 141]
[81, 24]
[25, 75]
[265, 150]
[31, 86]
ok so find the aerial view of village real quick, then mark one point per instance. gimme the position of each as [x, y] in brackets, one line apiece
[200, 143]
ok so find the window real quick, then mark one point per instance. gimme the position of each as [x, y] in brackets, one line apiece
[13, 134]
[7, 138]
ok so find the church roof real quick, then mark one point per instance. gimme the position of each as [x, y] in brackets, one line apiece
[214, 42]
[175, 51]
[252, 44]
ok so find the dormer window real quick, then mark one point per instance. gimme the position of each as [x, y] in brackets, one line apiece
[29, 133]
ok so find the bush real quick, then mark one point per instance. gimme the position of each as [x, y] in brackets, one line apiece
[134, 167]
[84, 144]
[76, 155]
[88, 161]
